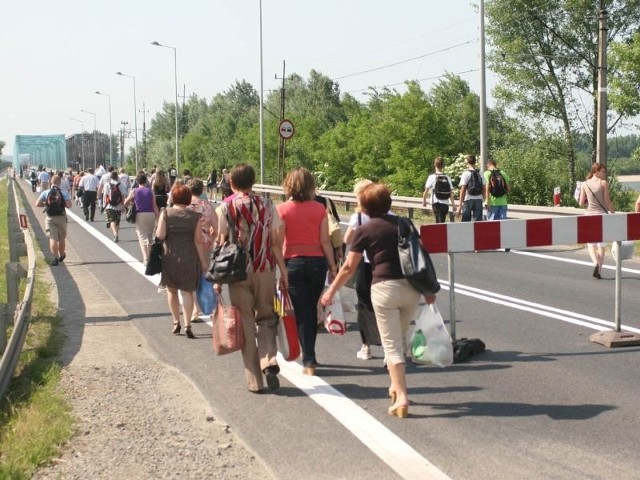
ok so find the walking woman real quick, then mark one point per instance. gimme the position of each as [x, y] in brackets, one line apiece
[183, 256]
[307, 253]
[256, 223]
[160, 187]
[366, 316]
[394, 300]
[212, 185]
[146, 213]
[594, 193]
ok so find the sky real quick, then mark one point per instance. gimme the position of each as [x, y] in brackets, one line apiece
[56, 54]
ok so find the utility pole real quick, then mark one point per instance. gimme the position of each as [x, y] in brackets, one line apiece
[122, 136]
[144, 134]
[282, 141]
[601, 137]
[484, 143]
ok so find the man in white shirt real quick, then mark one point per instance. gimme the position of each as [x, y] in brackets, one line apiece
[472, 192]
[441, 189]
[43, 180]
[89, 183]
[102, 187]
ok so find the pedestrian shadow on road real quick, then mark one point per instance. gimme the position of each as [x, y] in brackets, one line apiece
[509, 409]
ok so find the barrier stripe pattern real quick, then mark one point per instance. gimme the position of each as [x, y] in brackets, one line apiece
[538, 232]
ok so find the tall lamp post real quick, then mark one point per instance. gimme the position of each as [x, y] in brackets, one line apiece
[110, 132]
[95, 143]
[135, 113]
[81, 138]
[262, 146]
[175, 75]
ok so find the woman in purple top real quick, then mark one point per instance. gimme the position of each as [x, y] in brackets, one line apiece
[146, 213]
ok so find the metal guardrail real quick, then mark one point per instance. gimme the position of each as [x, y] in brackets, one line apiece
[413, 204]
[19, 239]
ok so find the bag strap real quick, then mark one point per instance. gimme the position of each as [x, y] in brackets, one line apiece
[597, 200]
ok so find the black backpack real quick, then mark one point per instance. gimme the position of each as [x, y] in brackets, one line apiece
[497, 184]
[55, 202]
[114, 198]
[442, 189]
[474, 185]
[33, 175]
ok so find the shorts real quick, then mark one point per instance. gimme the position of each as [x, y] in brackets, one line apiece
[113, 216]
[56, 227]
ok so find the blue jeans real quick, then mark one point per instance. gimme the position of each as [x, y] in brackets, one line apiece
[306, 282]
[472, 209]
[497, 212]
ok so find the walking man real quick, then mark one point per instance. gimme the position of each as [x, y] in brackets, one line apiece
[472, 192]
[497, 189]
[441, 189]
[56, 202]
[89, 185]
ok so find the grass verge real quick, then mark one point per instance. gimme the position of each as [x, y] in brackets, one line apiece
[35, 419]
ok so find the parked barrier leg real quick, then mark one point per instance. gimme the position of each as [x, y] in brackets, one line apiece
[452, 298]
[617, 338]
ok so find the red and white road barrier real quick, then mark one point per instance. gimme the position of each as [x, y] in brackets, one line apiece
[539, 232]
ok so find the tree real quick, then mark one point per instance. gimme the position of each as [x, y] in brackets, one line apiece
[546, 51]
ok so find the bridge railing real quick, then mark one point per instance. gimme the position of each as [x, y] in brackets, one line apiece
[16, 312]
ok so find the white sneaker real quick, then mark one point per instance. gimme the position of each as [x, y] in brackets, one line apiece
[364, 353]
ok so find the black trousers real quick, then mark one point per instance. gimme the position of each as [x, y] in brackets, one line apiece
[89, 204]
[440, 211]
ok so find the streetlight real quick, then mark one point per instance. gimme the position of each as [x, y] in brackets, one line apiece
[110, 134]
[81, 137]
[261, 104]
[95, 145]
[175, 74]
[135, 112]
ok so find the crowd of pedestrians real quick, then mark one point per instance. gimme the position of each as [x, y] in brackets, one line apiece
[289, 247]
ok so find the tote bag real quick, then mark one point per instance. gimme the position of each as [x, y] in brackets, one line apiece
[287, 327]
[228, 335]
[154, 262]
[415, 261]
[229, 260]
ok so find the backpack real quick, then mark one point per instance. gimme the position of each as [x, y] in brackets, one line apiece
[114, 197]
[442, 189]
[474, 185]
[497, 184]
[33, 175]
[55, 202]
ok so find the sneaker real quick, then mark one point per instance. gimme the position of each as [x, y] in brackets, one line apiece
[364, 353]
[108, 224]
[54, 262]
[115, 238]
[62, 257]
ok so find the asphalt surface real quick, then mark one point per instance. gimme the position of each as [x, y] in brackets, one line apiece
[543, 402]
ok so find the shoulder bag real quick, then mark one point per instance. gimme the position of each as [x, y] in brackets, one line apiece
[130, 212]
[415, 261]
[154, 262]
[229, 260]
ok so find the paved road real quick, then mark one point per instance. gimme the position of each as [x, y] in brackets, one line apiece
[543, 402]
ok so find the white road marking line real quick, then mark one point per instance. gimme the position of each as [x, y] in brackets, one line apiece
[552, 312]
[386, 445]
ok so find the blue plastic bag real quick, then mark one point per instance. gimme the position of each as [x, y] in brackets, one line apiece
[205, 296]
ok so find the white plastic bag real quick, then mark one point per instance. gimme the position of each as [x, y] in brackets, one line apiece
[334, 320]
[627, 249]
[429, 340]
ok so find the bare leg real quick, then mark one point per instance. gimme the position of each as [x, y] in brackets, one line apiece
[591, 247]
[174, 304]
[187, 307]
[600, 257]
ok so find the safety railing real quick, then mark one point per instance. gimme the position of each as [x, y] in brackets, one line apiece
[16, 312]
[414, 204]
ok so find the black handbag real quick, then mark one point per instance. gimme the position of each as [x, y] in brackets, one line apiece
[415, 261]
[229, 260]
[154, 262]
[130, 213]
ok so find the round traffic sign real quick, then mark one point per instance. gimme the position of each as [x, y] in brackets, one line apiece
[286, 129]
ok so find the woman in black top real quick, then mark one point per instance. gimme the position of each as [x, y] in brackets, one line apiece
[394, 300]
